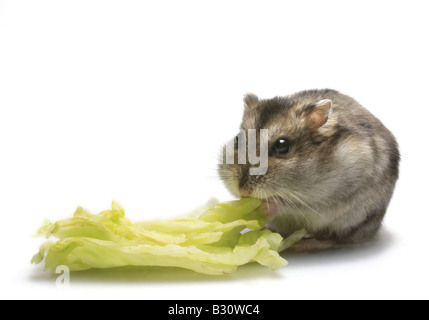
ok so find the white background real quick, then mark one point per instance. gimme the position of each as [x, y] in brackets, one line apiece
[131, 100]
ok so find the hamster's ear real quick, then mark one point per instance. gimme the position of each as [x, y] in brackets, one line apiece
[250, 100]
[319, 114]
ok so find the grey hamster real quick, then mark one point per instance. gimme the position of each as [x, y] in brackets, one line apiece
[332, 165]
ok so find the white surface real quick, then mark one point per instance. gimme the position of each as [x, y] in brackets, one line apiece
[126, 100]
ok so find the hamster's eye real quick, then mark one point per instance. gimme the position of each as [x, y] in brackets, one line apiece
[281, 146]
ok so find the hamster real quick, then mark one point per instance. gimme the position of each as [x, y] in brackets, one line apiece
[332, 167]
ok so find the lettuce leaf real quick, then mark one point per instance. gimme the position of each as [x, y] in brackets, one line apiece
[213, 241]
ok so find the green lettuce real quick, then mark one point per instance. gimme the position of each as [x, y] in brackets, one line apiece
[216, 240]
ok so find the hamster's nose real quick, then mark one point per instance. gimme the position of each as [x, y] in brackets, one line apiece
[242, 183]
[244, 187]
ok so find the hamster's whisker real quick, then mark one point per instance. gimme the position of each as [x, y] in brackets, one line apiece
[284, 196]
[262, 195]
[277, 201]
[307, 206]
[228, 179]
[214, 177]
[300, 201]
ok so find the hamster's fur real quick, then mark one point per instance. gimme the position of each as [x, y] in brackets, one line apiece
[338, 177]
